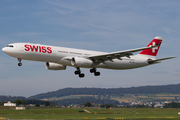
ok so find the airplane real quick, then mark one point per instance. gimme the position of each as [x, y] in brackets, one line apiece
[57, 58]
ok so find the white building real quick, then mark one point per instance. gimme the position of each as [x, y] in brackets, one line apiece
[9, 104]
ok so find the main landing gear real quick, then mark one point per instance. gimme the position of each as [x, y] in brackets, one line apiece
[93, 70]
[19, 64]
[81, 75]
[78, 72]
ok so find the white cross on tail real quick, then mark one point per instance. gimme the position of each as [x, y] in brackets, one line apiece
[155, 48]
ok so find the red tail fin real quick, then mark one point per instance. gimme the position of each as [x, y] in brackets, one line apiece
[153, 51]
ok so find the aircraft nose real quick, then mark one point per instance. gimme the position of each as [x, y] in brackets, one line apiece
[8, 51]
[4, 49]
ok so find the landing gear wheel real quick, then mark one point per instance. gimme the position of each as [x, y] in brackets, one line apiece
[97, 73]
[93, 70]
[77, 72]
[81, 75]
[19, 64]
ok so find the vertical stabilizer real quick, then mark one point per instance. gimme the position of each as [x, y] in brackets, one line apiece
[153, 51]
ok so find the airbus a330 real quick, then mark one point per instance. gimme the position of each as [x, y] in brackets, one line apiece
[57, 58]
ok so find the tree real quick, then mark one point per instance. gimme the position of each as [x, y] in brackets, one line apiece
[87, 104]
[172, 105]
[2, 103]
[20, 102]
[47, 103]
[37, 105]
[102, 106]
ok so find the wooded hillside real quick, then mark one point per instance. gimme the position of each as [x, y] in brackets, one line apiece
[174, 89]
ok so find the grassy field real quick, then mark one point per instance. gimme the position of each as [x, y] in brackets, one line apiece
[93, 113]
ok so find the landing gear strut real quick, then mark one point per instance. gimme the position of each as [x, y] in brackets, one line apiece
[93, 70]
[78, 72]
[19, 64]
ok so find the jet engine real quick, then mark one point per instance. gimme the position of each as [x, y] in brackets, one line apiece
[81, 62]
[55, 66]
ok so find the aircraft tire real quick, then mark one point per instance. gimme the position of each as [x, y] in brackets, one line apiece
[97, 73]
[93, 70]
[81, 75]
[19, 64]
[77, 72]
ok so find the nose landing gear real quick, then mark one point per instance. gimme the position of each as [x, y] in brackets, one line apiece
[19, 64]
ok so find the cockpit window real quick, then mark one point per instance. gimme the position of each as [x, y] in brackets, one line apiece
[9, 45]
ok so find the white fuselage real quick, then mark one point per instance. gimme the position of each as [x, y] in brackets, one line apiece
[62, 55]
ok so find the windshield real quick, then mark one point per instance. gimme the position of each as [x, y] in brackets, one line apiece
[9, 45]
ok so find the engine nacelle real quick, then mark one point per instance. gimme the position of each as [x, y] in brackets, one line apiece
[81, 62]
[55, 66]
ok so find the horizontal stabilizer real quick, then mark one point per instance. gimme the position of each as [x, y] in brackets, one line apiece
[150, 61]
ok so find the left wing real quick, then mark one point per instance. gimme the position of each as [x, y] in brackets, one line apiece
[109, 56]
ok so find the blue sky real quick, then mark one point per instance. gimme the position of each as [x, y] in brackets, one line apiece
[100, 25]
